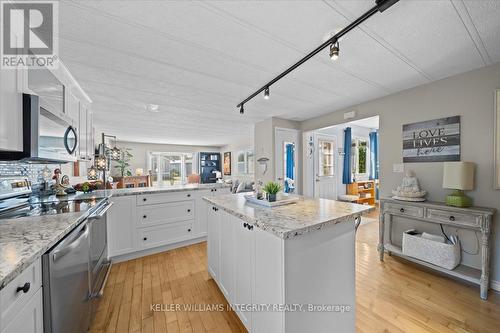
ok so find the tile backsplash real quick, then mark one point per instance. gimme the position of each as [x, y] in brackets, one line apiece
[35, 173]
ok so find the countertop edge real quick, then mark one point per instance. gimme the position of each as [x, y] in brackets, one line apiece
[292, 233]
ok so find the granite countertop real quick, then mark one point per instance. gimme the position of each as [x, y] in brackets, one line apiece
[307, 215]
[147, 190]
[24, 240]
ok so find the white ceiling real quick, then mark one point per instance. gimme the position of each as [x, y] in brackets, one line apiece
[198, 59]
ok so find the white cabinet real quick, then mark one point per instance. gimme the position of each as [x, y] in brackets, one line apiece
[226, 263]
[121, 226]
[73, 111]
[244, 268]
[82, 132]
[30, 318]
[213, 245]
[11, 110]
[21, 310]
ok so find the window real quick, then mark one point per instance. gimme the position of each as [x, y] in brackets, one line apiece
[326, 159]
[359, 156]
[169, 168]
[245, 162]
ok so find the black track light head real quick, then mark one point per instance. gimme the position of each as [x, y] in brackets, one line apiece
[334, 51]
[242, 109]
[384, 4]
[266, 93]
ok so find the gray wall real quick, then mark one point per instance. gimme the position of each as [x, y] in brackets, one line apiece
[234, 148]
[264, 140]
[470, 95]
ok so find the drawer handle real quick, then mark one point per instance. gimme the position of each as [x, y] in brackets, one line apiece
[24, 288]
[144, 216]
[189, 195]
[250, 227]
[452, 218]
[215, 189]
[189, 230]
[145, 239]
[402, 210]
[245, 225]
[211, 190]
[144, 199]
[189, 210]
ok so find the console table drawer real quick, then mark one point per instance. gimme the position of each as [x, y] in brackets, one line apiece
[444, 216]
[404, 210]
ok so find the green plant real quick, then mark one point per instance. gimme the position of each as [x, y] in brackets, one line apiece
[272, 188]
[123, 162]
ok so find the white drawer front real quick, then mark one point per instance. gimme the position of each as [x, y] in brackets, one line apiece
[165, 213]
[153, 199]
[439, 215]
[30, 318]
[163, 235]
[11, 300]
[410, 211]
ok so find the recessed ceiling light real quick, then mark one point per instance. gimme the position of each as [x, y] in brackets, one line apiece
[152, 107]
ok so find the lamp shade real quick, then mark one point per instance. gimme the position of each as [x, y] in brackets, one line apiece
[458, 175]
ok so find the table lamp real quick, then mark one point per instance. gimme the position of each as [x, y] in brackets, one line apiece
[458, 176]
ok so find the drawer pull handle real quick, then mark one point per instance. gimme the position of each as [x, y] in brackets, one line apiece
[189, 210]
[144, 216]
[245, 225]
[145, 239]
[189, 195]
[402, 210]
[144, 199]
[452, 218]
[215, 189]
[24, 288]
[250, 227]
[189, 230]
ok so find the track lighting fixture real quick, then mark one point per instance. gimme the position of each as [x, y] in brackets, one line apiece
[334, 51]
[379, 7]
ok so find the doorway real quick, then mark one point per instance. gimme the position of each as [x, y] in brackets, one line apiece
[333, 172]
[286, 164]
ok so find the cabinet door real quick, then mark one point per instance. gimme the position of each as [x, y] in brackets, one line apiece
[213, 241]
[73, 109]
[121, 226]
[226, 279]
[200, 228]
[30, 318]
[11, 111]
[244, 240]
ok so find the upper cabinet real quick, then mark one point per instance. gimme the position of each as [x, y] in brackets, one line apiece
[11, 116]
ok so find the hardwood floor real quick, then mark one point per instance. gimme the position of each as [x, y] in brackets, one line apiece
[392, 296]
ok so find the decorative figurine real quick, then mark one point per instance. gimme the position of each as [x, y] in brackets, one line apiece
[58, 187]
[409, 190]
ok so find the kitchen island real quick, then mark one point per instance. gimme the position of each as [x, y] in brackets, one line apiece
[285, 269]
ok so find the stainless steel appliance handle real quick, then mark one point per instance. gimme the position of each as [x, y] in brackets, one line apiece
[103, 285]
[58, 254]
[100, 214]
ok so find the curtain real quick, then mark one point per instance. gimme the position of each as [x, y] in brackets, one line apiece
[373, 155]
[290, 164]
[346, 174]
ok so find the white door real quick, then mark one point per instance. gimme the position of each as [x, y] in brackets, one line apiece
[325, 167]
[286, 157]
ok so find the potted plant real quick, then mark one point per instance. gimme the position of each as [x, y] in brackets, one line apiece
[272, 188]
[123, 162]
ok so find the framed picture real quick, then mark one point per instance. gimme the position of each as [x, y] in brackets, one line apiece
[227, 163]
[432, 141]
[496, 184]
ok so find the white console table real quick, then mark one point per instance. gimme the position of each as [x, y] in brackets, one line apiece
[474, 218]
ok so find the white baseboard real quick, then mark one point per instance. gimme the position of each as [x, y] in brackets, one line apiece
[143, 253]
[495, 285]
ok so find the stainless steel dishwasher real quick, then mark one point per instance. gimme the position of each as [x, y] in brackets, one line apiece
[66, 283]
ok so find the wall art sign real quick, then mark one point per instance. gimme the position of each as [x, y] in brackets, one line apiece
[432, 141]
[227, 163]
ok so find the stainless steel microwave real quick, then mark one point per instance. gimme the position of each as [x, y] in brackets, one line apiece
[47, 137]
